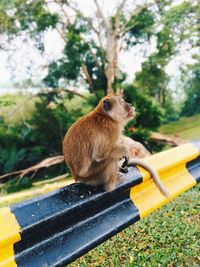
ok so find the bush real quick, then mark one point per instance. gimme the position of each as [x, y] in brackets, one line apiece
[50, 123]
[191, 106]
[23, 145]
[148, 114]
[16, 185]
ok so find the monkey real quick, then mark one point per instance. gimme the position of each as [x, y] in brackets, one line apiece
[91, 145]
[94, 144]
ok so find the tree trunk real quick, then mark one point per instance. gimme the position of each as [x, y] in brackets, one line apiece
[112, 57]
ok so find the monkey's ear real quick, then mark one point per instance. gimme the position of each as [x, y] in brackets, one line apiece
[107, 105]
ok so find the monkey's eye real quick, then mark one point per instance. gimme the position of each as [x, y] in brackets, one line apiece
[122, 101]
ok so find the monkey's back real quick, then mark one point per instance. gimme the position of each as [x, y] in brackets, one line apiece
[90, 131]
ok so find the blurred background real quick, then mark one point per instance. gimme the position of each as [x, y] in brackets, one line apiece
[59, 57]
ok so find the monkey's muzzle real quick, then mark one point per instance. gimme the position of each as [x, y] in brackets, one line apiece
[130, 109]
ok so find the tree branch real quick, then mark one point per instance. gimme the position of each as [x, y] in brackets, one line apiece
[85, 71]
[121, 6]
[59, 90]
[43, 164]
[77, 11]
[123, 29]
[106, 24]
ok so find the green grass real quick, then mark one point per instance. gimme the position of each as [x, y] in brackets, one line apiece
[169, 237]
[187, 128]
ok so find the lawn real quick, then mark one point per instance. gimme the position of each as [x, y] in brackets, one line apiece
[187, 128]
[169, 237]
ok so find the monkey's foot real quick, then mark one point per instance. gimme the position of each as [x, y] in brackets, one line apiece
[123, 169]
[120, 178]
[109, 187]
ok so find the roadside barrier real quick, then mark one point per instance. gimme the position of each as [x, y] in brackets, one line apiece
[56, 228]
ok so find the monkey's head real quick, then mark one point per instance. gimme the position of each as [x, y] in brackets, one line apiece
[115, 107]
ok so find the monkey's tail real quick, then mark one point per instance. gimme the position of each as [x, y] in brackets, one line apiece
[154, 176]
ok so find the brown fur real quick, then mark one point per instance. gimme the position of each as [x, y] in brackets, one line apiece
[91, 146]
[136, 149]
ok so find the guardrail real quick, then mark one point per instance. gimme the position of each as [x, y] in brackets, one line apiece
[56, 228]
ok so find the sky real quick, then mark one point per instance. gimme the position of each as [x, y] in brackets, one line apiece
[27, 57]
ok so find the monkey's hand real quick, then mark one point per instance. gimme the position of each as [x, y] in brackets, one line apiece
[125, 163]
[124, 167]
[119, 151]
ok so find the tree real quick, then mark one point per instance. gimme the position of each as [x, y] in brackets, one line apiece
[175, 31]
[98, 59]
[191, 104]
[92, 44]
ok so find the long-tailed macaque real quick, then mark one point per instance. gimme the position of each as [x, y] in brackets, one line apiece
[94, 144]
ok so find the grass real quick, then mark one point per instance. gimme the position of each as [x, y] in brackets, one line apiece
[169, 237]
[9, 102]
[187, 128]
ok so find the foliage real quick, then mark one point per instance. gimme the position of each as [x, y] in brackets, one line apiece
[75, 54]
[149, 116]
[11, 157]
[148, 112]
[140, 27]
[69, 66]
[7, 101]
[16, 185]
[23, 145]
[91, 57]
[50, 123]
[23, 15]
[10, 152]
[152, 79]
[191, 104]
